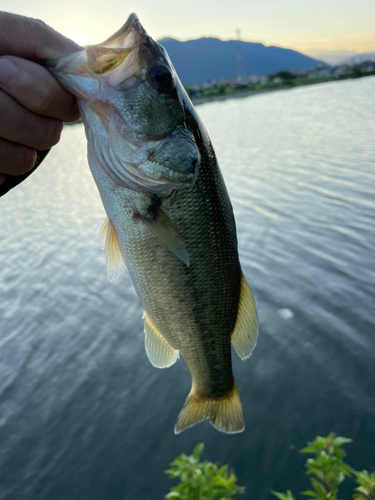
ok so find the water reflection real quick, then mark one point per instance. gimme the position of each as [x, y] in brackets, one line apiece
[83, 413]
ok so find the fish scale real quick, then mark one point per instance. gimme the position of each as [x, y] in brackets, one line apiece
[169, 216]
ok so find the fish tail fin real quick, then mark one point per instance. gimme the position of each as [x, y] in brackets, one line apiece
[225, 413]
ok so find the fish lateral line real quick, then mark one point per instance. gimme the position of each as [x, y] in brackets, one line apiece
[145, 143]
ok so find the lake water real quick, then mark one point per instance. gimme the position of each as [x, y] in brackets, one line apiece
[84, 415]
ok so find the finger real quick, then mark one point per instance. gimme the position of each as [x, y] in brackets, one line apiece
[21, 126]
[35, 88]
[15, 159]
[2, 179]
[34, 39]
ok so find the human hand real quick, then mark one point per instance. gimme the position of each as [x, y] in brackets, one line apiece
[33, 104]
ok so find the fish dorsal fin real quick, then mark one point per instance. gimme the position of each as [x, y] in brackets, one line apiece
[164, 229]
[112, 251]
[160, 353]
[245, 332]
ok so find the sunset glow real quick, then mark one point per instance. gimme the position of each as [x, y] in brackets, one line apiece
[332, 25]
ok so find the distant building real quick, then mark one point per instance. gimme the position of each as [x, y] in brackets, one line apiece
[319, 71]
[257, 79]
[367, 66]
[342, 69]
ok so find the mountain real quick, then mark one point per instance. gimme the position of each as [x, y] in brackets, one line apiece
[360, 58]
[333, 57]
[197, 61]
[336, 57]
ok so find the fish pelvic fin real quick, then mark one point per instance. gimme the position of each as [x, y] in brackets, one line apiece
[225, 414]
[112, 250]
[160, 353]
[245, 332]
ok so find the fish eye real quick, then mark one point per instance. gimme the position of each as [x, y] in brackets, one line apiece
[160, 78]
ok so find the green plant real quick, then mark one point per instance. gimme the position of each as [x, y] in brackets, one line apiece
[366, 488]
[327, 470]
[284, 496]
[202, 480]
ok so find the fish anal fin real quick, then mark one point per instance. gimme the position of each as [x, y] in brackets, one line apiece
[112, 251]
[167, 233]
[225, 414]
[245, 332]
[160, 353]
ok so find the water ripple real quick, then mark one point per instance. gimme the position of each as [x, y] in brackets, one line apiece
[81, 409]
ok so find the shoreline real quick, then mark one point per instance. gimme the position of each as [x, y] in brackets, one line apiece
[247, 93]
[236, 95]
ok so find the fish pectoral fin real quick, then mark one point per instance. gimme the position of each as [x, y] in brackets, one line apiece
[225, 414]
[245, 332]
[112, 251]
[160, 353]
[164, 229]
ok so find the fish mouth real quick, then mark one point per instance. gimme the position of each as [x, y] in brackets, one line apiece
[105, 58]
[130, 101]
[130, 35]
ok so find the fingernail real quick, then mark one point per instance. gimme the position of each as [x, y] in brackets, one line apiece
[8, 72]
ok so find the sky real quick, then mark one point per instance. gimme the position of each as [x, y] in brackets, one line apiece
[304, 25]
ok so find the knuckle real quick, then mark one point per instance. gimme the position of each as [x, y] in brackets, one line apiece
[31, 25]
[39, 22]
[48, 100]
[15, 159]
[28, 156]
[52, 132]
[58, 102]
[28, 27]
[73, 112]
[20, 159]
[40, 103]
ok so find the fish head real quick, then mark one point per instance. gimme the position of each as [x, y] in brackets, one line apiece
[133, 107]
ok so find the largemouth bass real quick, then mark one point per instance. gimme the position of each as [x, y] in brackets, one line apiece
[169, 216]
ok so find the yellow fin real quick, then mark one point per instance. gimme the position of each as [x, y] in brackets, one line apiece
[160, 353]
[245, 332]
[225, 414]
[112, 251]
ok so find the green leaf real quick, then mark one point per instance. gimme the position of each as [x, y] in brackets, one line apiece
[198, 450]
[366, 488]
[202, 480]
[283, 496]
[173, 495]
[339, 440]
[309, 493]
[308, 449]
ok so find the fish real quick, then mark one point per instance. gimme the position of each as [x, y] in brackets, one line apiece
[169, 216]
